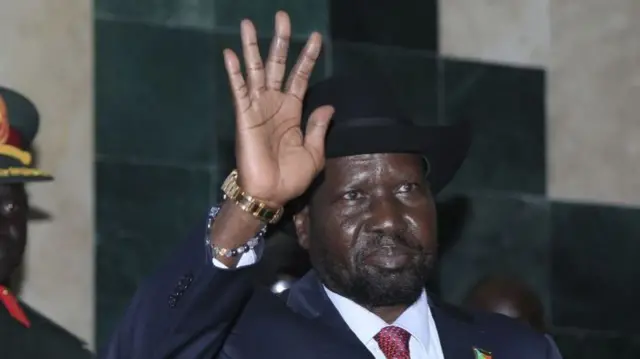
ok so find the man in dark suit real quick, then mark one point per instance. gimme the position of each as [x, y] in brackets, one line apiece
[366, 215]
[24, 333]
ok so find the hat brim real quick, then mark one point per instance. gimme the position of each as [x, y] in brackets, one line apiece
[23, 175]
[444, 148]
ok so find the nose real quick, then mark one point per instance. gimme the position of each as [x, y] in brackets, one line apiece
[385, 215]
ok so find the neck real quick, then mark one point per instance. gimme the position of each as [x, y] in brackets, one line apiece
[389, 314]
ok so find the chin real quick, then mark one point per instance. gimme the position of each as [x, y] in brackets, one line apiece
[392, 297]
[387, 288]
[371, 286]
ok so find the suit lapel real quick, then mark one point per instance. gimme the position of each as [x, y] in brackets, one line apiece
[455, 330]
[308, 298]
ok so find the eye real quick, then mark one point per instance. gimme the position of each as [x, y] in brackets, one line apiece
[351, 195]
[408, 187]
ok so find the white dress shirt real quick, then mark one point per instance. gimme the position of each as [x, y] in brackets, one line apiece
[417, 320]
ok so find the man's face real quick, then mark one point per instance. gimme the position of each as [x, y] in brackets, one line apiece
[13, 228]
[370, 228]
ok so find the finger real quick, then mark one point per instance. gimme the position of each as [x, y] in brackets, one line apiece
[298, 80]
[277, 61]
[236, 81]
[316, 132]
[252, 59]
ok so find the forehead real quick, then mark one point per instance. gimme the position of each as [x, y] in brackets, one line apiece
[366, 166]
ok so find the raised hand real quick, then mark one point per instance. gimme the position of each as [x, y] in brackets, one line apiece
[276, 163]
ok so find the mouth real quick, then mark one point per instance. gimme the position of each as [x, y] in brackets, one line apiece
[389, 257]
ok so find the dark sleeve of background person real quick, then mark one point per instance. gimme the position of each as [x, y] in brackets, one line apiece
[43, 339]
[555, 352]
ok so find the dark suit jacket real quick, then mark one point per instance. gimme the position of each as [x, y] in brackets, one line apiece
[191, 309]
[43, 340]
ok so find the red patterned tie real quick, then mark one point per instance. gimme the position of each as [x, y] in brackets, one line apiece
[394, 342]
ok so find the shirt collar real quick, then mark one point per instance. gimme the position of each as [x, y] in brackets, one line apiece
[365, 325]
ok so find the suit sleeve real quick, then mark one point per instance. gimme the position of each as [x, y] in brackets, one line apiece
[187, 308]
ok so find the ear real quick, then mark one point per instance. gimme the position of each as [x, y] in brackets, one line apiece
[301, 221]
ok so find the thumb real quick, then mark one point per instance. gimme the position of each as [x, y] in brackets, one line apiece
[316, 132]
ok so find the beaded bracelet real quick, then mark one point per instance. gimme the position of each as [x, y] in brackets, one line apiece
[225, 252]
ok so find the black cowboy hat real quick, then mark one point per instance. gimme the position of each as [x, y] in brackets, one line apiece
[19, 122]
[367, 120]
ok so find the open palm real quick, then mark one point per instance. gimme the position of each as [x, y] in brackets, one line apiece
[276, 162]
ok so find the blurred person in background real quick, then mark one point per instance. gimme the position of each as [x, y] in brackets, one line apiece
[284, 262]
[24, 333]
[513, 298]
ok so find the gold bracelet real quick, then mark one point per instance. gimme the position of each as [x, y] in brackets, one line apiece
[248, 203]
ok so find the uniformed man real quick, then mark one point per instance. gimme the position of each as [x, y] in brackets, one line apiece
[24, 333]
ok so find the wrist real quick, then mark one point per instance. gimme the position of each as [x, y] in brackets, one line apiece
[259, 195]
[265, 211]
[236, 216]
[232, 232]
